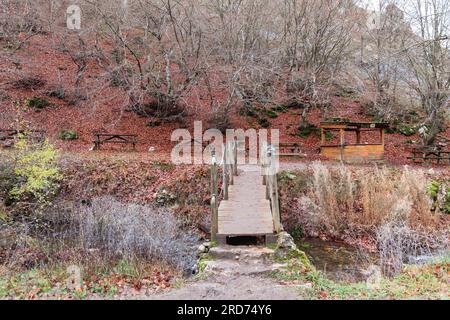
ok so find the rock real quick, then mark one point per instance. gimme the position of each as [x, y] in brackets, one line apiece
[290, 176]
[190, 271]
[202, 249]
[151, 149]
[305, 286]
[285, 241]
[207, 244]
[287, 250]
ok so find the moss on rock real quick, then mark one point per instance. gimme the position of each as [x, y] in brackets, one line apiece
[287, 251]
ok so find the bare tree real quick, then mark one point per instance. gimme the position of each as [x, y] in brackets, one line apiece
[428, 58]
[381, 42]
[316, 40]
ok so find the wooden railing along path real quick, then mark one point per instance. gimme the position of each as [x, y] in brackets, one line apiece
[249, 206]
[269, 172]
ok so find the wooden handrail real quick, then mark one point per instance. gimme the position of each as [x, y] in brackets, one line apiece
[214, 207]
[271, 183]
[229, 170]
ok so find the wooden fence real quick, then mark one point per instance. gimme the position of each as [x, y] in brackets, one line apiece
[229, 170]
[269, 173]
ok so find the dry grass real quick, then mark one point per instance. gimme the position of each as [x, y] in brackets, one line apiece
[387, 207]
[103, 231]
[370, 198]
[131, 230]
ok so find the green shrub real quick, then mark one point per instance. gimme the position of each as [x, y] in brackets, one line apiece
[406, 130]
[433, 189]
[36, 170]
[68, 135]
[337, 120]
[248, 111]
[37, 103]
[390, 130]
[270, 113]
[297, 232]
[279, 108]
[305, 130]
[155, 123]
[164, 198]
[328, 135]
[263, 122]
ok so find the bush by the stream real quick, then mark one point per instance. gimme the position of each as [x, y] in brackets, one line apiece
[114, 231]
[397, 242]
[132, 230]
[376, 205]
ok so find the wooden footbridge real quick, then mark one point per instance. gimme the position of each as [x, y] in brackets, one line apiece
[249, 205]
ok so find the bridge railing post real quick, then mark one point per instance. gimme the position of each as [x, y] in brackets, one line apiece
[235, 154]
[230, 162]
[225, 175]
[263, 161]
[272, 189]
[214, 190]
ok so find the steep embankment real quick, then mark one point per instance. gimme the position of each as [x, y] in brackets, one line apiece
[46, 74]
[185, 189]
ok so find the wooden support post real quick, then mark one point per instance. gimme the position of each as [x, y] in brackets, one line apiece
[225, 174]
[268, 164]
[262, 161]
[214, 220]
[214, 189]
[230, 163]
[322, 136]
[382, 136]
[235, 171]
[358, 136]
[342, 141]
[275, 205]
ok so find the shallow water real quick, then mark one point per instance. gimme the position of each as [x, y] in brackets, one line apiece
[337, 260]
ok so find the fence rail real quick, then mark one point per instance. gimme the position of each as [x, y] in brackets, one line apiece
[269, 173]
[229, 170]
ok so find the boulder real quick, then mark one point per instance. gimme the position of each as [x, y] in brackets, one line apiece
[285, 241]
[287, 250]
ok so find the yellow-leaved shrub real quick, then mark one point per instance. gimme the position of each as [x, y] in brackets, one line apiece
[36, 170]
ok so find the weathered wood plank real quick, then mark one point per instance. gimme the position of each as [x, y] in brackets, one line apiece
[247, 212]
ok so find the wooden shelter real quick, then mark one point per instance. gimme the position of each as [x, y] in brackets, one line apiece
[357, 150]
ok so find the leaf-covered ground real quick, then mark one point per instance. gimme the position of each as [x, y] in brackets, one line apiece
[104, 110]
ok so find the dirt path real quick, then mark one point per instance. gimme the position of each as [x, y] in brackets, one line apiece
[236, 273]
[226, 287]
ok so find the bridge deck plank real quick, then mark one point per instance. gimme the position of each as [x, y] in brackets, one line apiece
[247, 212]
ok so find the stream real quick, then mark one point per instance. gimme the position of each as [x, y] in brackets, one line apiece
[337, 260]
[344, 263]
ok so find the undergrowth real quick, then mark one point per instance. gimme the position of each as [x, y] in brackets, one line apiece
[390, 208]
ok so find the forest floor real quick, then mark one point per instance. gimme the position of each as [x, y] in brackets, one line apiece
[106, 110]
